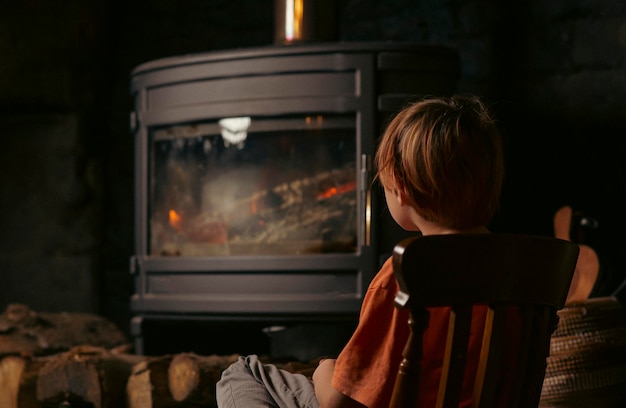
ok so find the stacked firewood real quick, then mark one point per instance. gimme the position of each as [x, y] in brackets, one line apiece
[87, 376]
[72, 360]
[83, 360]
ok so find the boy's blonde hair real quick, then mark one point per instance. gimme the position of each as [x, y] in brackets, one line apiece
[445, 156]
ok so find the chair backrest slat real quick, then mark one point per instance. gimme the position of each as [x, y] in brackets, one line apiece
[525, 352]
[455, 355]
[491, 358]
[544, 321]
[516, 279]
[404, 394]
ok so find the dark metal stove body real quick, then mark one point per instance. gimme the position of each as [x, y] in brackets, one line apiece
[253, 178]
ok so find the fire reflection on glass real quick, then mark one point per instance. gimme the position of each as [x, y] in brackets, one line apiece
[289, 189]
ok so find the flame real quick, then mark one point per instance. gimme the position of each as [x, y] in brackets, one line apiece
[175, 220]
[344, 188]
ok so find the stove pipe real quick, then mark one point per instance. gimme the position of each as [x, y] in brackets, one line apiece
[304, 21]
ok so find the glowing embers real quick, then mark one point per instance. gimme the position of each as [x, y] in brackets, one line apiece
[341, 189]
[175, 220]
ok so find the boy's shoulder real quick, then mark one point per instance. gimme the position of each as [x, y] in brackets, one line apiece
[384, 279]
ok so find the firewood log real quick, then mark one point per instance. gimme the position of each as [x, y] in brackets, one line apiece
[24, 331]
[11, 368]
[27, 394]
[138, 389]
[88, 375]
[85, 375]
[181, 380]
[192, 378]
[147, 384]
[18, 381]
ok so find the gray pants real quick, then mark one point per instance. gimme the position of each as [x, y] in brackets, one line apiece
[248, 383]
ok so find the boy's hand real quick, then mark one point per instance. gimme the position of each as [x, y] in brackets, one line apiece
[324, 370]
[326, 394]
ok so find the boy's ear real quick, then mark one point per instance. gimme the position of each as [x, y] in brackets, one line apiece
[400, 192]
[401, 196]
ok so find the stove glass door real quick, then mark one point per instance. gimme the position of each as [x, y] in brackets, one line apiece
[254, 186]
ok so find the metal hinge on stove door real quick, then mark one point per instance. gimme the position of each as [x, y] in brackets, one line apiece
[366, 199]
[133, 121]
[134, 265]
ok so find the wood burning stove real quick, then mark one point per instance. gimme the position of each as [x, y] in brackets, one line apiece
[254, 196]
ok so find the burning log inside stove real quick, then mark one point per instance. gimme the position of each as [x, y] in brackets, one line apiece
[306, 215]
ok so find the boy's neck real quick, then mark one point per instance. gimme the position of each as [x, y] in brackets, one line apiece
[435, 229]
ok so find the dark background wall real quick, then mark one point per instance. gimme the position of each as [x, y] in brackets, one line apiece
[554, 71]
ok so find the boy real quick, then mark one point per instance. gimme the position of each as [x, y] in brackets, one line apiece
[440, 162]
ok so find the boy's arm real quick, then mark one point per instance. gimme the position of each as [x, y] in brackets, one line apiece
[326, 394]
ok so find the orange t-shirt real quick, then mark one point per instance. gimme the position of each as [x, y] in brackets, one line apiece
[367, 366]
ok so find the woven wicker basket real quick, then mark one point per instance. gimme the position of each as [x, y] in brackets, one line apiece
[587, 362]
